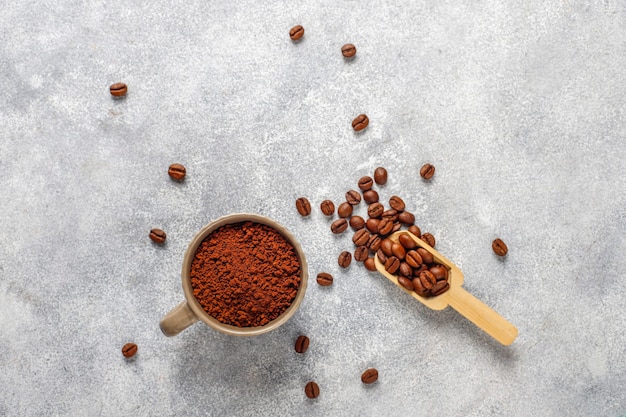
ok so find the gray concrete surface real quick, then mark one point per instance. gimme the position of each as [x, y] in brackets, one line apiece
[520, 105]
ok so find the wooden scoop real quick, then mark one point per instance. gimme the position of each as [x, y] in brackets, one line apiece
[462, 301]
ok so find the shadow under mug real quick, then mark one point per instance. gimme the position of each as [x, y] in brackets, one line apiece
[190, 311]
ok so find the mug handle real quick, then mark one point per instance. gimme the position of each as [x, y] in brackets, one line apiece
[178, 319]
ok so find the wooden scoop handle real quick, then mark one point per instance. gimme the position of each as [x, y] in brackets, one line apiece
[481, 315]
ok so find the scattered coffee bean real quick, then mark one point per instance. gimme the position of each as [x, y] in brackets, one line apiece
[357, 222]
[348, 50]
[344, 260]
[129, 350]
[386, 245]
[372, 225]
[345, 209]
[406, 271]
[353, 197]
[327, 207]
[360, 122]
[406, 218]
[158, 236]
[118, 89]
[396, 203]
[373, 243]
[339, 226]
[427, 171]
[413, 259]
[296, 33]
[370, 264]
[361, 253]
[405, 282]
[365, 183]
[419, 288]
[369, 376]
[385, 226]
[361, 237]
[499, 247]
[177, 172]
[406, 241]
[381, 256]
[428, 279]
[303, 206]
[415, 230]
[370, 196]
[429, 239]
[302, 344]
[396, 226]
[375, 210]
[324, 279]
[312, 390]
[380, 176]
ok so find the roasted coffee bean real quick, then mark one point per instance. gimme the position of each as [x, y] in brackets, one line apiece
[118, 89]
[439, 271]
[158, 236]
[427, 257]
[302, 344]
[398, 250]
[296, 33]
[380, 176]
[348, 50]
[406, 241]
[382, 257]
[373, 243]
[357, 222]
[413, 259]
[390, 214]
[499, 247]
[375, 210]
[427, 171]
[386, 246]
[339, 226]
[370, 264]
[392, 264]
[369, 376]
[406, 218]
[129, 350]
[344, 260]
[396, 203]
[440, 287]
[370, 196]
[324, 279]
[361, 237]
[428, 279]
[303, 206]
[419, 288]
[429, 239]
[405, 282]
[417, 271]
[385, 226]
[327, 207]
[361, 253]
[372, 225]
[345, 209]
[360, 122]
[353, 197]
[396, 226]
[312, 390]
[406, 271]
[415, 230]
[365, 183]
[177, 172]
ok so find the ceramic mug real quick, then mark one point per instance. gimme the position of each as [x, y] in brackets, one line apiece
[190, 311]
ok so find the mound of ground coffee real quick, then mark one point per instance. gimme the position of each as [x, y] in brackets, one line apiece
[245, 274]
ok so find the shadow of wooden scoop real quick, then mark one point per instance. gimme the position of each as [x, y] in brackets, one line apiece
[462, 301]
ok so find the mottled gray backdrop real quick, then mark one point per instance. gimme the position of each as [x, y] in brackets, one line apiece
[520, 105]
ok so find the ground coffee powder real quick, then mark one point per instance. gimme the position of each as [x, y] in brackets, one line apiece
[245, 274]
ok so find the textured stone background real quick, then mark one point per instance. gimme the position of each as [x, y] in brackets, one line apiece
[520, 105]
